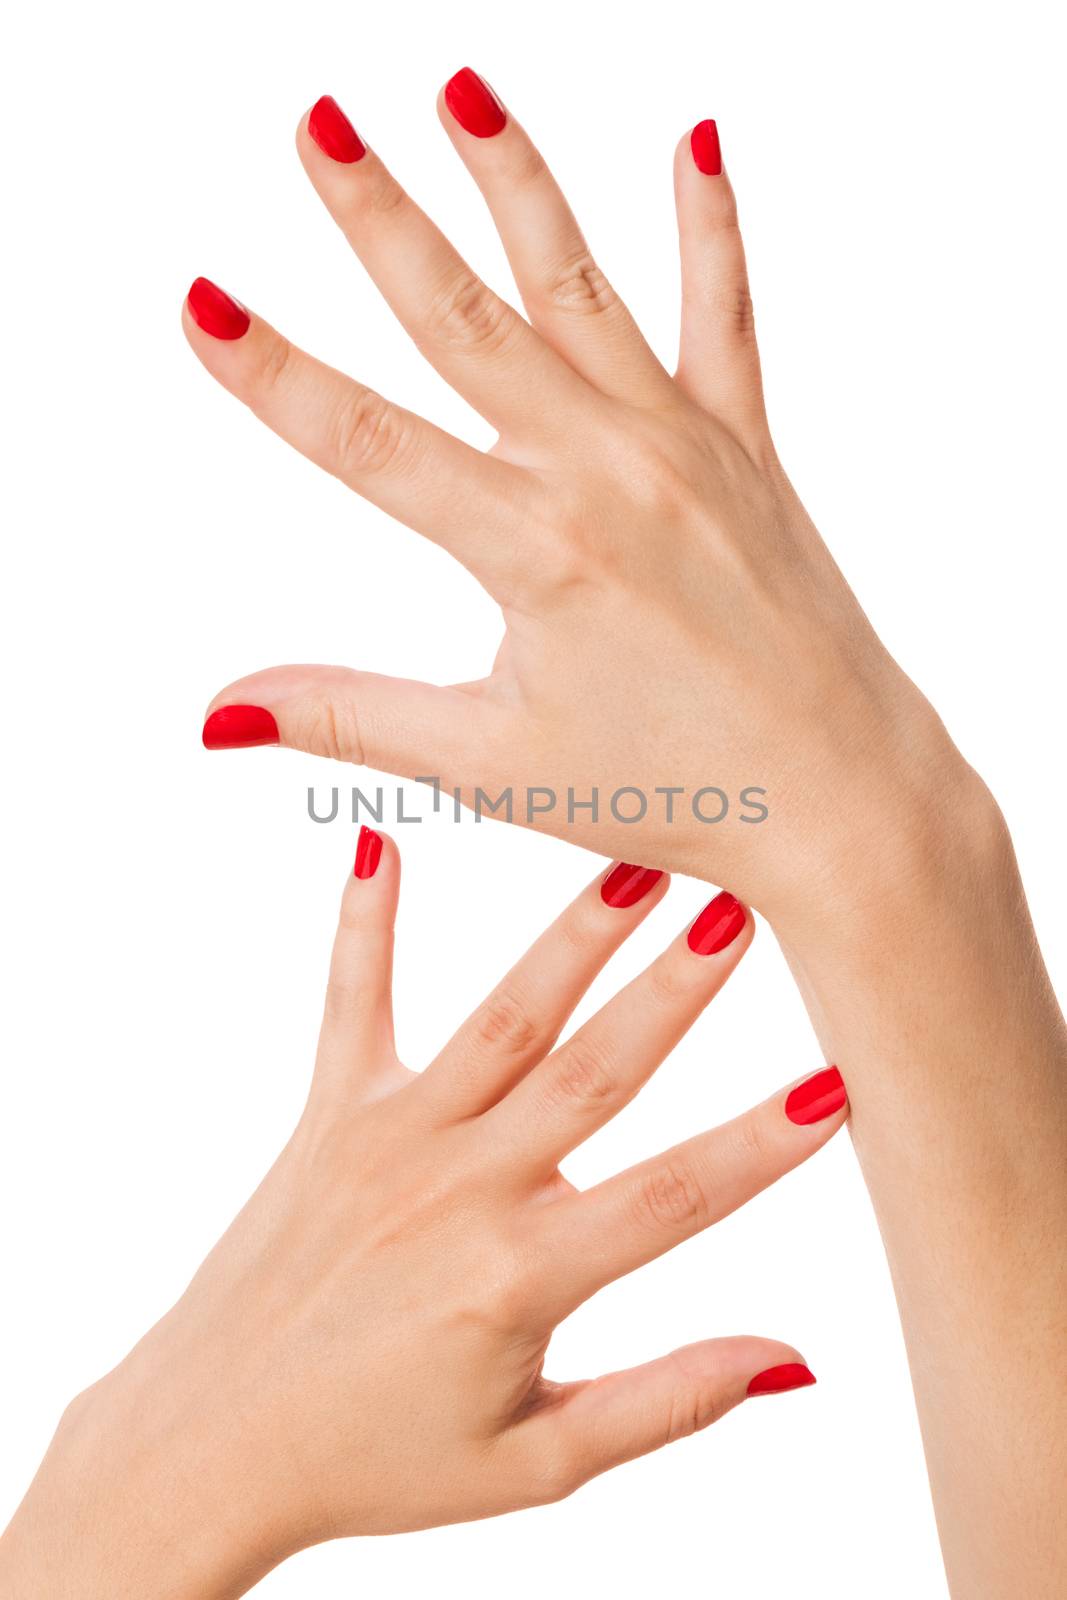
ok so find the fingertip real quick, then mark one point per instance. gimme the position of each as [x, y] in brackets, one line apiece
[373, 880]
[214, 311]
[817, 1098]
[684, 167]
[724, 923]
[781, 1378]
[369, 847]
[239, 727]
[625, 884]
[744, 1366]
[474, 105]
[705, 148]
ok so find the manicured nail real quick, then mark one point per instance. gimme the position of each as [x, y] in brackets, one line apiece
[217, 312]
[239, 727]
[817, 1097]
[717, 925]
[332, 132]
[777, 1380]
[474, 105]
[625, 885]
[368, 853]
[704, 143]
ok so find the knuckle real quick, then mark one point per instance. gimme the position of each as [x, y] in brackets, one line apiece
[672, 1199]
[385, 197]
[736, 308]
[529, 167]
[368, 435]
[332, 730]
[557, 1471]
[692, 1408]
[509, 1308]
[582, 1078]
[578, 285]
[657, 464]
[752, 1148]
[572, 563]
[466, 315]
[275, 367]
[497, 1301]
[346, 999]
[578, 930]
[504, 1024]
[666, 987]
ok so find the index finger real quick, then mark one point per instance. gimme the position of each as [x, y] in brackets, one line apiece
[470, 503]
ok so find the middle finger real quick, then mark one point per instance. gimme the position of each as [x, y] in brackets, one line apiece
[558, 1105]
[476, 341]
[568, 298]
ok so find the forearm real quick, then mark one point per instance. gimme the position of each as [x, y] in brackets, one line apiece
[932, 997]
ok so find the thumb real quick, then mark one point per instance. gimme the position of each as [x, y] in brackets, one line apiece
[392, 724]
[599, 1424]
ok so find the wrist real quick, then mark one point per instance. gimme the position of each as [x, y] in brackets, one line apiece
[913, 857]
[132, 1500]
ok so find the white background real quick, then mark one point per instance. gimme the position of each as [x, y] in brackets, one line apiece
[168, 912]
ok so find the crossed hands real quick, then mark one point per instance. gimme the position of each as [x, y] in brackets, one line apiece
[672, 618]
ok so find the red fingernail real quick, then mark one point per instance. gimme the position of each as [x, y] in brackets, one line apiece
[332, 132]
[625, 885]
[817, 1097]
[217, 312]
[704, 143]
[717, 925]
[239, 727]
[368, 853]
[777, 1380]
[474, 105]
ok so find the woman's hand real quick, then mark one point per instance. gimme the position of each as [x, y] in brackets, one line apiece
[362, 1352]
[673, 620]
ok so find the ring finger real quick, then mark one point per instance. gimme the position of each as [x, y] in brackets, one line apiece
[476, 341]
[568, 298]
[521, 1019]
[589, 1079]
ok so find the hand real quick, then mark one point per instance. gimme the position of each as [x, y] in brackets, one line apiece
[673, 619]
[362, 1352]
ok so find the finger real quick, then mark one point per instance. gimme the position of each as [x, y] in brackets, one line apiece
[640, 1214]
[588, 1080]
[391, 724]
[718, 361]
[477, 342]
[521, 1019]
[357, 1054]
[593, 1426]
[569, 300]
[460, 498]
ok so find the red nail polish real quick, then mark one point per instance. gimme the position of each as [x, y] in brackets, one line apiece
[217, 312]
[332, 132]
[777, 1380]
[368, 853]
[474, 105]
[704, 143]
[817, 1097]
[625, 885]
[239, 727]
[717, 925]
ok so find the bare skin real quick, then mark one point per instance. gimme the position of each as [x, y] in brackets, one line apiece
[672, 618]
[362, 1352]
